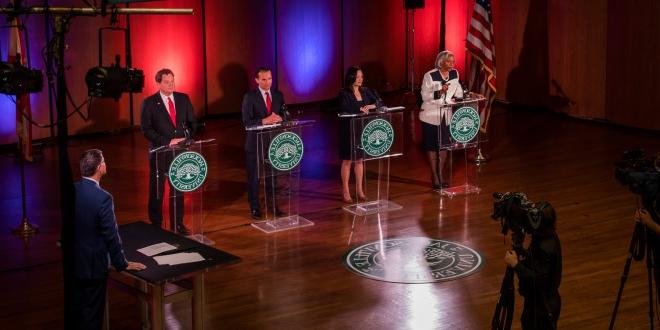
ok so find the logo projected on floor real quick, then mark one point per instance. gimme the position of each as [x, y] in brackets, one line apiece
[413, 260]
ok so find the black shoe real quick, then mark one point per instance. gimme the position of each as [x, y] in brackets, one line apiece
[445, 185]
[182, 230]
[279, 213]
[436, 186]
[255, 214]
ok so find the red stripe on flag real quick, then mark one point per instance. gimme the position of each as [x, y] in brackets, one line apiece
[482, 77]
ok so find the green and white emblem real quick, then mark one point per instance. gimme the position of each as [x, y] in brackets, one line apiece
[285, 151]
[188, 171]
[377, 137]
[464, 124]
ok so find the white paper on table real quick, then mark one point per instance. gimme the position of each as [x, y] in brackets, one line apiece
[179, 258]
[155, 249]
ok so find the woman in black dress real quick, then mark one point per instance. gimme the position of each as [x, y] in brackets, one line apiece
[354, 98]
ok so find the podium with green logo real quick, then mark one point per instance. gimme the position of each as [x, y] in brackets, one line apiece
[186, 170]
[376, 138]
[280, 150]
[459, 133]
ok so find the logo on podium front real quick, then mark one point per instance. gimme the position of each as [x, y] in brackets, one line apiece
[377, 137]
[464, 124]
[188, 171]
[285, 151]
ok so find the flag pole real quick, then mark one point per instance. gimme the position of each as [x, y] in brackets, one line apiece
[25, 229]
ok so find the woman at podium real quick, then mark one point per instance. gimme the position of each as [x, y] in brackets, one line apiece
[439, 86]
[354, 99]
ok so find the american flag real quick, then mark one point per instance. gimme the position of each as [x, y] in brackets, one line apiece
[480, 43]
[23, 113]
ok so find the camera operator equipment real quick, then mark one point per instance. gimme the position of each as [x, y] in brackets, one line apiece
[538, 267]
[642, 176]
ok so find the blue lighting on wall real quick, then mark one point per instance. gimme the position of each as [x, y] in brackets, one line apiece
[7, 107]
[306, 43]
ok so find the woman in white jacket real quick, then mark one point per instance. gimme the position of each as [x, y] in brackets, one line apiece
[439, 86]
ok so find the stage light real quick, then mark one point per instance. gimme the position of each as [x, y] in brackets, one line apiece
[113, 81]
[16, 79]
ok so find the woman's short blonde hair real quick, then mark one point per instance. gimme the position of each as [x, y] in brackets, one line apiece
[442, 56]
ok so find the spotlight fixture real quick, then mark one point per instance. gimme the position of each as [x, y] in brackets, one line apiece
[114, 80]
[16, 79]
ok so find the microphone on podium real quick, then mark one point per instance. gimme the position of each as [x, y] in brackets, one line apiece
[284, 112]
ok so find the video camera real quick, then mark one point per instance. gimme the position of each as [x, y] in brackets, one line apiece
[642, 176]
[518, 214]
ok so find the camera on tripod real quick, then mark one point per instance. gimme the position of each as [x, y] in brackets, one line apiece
[641, 174]
[518, 214]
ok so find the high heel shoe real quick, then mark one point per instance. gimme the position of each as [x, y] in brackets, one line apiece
[347, 200]
[362, 198]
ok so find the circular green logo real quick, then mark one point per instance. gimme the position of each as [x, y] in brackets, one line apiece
[285, 151]
[377, 137]
[464, 124]
[188, 171]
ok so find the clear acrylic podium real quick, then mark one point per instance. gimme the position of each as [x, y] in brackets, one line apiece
[460, 131]
[280, 149]
[186, 170]
[376, 138]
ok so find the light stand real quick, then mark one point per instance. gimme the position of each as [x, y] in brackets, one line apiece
[25, 229]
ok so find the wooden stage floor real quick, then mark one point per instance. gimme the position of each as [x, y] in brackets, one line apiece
[296, 279]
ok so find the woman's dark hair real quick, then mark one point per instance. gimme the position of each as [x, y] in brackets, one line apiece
[350, 76]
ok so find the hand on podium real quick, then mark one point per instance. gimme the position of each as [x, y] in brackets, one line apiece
[135, 266]
[368, 107]
[273, 118]
[176, 141]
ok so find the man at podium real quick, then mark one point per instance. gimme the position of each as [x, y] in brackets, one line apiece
[166, 119]
[261, 106]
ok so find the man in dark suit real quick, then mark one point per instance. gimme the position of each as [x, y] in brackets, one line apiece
[261, 106]
[96, 242]
[166, 119]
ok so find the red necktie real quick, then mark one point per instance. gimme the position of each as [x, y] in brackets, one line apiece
[170, 106]
[268, 102]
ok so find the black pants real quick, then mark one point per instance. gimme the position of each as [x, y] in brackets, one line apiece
[89, 303]
[535, 315]
[157, 188]
[252, 168]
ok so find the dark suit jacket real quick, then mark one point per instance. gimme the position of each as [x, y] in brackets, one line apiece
[253, 110]
[96, 239]
[350, 104]
[155, 119]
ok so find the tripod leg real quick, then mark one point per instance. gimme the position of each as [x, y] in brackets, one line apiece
[626, 270]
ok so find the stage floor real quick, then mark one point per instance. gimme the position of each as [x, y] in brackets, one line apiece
[296, 278]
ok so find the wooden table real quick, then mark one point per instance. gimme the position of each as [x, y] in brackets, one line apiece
[163, 284]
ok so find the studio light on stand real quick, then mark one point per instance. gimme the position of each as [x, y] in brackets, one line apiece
[16, 79]
[114, 80]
